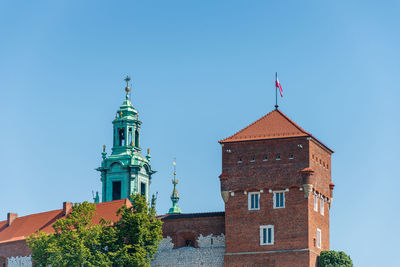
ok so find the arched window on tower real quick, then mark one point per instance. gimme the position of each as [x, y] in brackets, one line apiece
[130, 136]
[121, 135]
[137, 138]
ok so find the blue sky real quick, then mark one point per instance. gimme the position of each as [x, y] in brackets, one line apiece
[202, 70]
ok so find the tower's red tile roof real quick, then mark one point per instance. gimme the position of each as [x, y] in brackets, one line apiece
[24, 226]
[271, 126]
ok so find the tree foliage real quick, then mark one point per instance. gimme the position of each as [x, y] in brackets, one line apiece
[77, 241]
[334, 259]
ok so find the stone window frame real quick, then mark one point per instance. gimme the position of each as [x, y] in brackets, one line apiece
[264, 229]
[275, 196]
[319, 238]
[322, 206]
[250, 194]
[315, 202]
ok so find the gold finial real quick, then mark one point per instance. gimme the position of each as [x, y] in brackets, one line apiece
[137, 115]
[174, 181]
[104, 148]
[133, 143]
[148, 151]
[120, 114]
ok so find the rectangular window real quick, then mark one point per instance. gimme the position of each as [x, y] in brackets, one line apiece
[279, 199]
[143, 189]
[116, 190]
[254, 201]
[266, 235]
[318, 238]
[322, 206]
[316, 203]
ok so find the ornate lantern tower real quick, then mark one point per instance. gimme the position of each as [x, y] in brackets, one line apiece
[125, 171]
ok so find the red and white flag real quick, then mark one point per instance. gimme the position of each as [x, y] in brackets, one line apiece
[278, 85]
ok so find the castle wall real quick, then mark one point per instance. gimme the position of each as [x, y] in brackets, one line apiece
[185, 229]
[320, 163]
[209, 252]
[196, 239]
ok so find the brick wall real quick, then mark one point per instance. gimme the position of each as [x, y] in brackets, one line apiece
[13, 249]
[188, 227]
[264, 166]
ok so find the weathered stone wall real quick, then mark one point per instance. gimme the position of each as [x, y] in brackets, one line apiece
[210, 252]
[20, 262]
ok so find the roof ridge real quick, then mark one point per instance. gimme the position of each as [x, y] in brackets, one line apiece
[292, 122]
[34, 214]
[251, 124]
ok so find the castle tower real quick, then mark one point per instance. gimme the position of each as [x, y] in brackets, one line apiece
[277, 189]
[125, 171]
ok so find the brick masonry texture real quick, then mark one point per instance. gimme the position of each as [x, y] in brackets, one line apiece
[264, 166]
[182, 230]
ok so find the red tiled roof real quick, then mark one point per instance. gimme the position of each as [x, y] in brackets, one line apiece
[24, 226]
[271, 126]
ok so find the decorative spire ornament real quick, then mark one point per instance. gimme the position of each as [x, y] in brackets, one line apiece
[127, 89]
[175, 196]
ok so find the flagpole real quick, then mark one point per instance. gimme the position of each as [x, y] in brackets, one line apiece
[276, 91]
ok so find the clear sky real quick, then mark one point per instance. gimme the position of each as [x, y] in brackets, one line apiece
[202, 70]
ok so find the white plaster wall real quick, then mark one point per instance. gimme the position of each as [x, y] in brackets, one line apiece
[20, 261]
[210, 253]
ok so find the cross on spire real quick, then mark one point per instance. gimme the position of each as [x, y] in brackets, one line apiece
[127, 80]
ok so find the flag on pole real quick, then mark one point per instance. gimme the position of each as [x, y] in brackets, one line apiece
[278, 85]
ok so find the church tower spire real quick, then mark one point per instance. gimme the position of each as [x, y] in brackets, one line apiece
[175, 196]
[125, 171]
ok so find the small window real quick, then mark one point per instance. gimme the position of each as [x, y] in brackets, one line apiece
[253, 159]
[279, 199]
[137, 138]
[266, 235]
[278, 157]
[318, 238]
[291, 156]
[254, 200]
[316, 203]
[240, 160]
[130, 136]
[327, 166]
[189, 243]
[322, 206]
[143, 189]
[121, 136]
[265, 158]
[116, 190]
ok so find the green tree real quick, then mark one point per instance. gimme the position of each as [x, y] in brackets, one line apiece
[334, 259]
[138, 232]
[77, 241]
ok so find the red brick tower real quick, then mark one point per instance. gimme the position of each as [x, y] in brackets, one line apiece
[277, 189]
